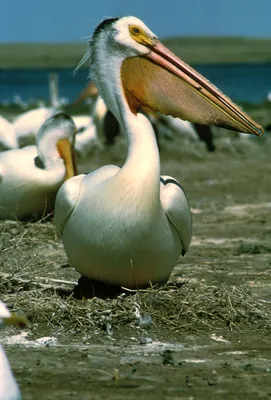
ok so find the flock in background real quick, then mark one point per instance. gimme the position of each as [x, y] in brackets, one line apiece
[24, 185]
[94, 129]
[123, 226]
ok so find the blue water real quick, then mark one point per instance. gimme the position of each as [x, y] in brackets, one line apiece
[241, 82]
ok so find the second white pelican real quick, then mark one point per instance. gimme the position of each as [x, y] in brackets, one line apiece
[127, 226]
[30, 177]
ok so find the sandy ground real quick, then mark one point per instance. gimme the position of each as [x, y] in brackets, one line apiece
[207, 334]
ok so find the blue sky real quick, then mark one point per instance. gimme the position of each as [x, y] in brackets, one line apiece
[74, 20]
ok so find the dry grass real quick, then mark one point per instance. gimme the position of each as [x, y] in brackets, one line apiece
[175, 308]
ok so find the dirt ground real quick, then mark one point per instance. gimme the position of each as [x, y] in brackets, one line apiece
[205, 335]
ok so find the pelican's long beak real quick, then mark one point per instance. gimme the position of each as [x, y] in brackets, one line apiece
[163, 82]
[15, 320]
[66, 152]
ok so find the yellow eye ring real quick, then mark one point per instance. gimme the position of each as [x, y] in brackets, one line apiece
[140, 36]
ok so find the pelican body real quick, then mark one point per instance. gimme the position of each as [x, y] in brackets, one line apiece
[128, 226]
[30, 177]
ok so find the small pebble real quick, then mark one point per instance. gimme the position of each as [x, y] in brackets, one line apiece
[145, 340]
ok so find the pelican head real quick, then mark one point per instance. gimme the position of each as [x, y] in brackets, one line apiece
[153, 78]
[128, 36]
[55, 142]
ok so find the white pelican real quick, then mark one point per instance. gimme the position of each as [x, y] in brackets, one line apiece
[86, 135]
[99, 111]
[178, 127]
[127, 226]
[8, 138]
[30, 177]
[86, 140]
[169, 126]
[9, 389]
[28, 123]
[97, 106]
[81, 121]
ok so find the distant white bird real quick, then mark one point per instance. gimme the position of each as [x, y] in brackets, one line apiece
[9, 389]
[31, 176]
[81, 121]
[8, 138]
[86, 136]
[28, 123]
[99, 111]
[19, 101]
[128, 226]
[97, 107]
[177, 126]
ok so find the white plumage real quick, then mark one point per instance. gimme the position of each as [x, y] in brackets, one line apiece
[177, 127]
[30, 177]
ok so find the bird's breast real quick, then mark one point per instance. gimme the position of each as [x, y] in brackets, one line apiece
[117, 232]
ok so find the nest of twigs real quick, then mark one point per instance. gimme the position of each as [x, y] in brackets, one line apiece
[174, 308]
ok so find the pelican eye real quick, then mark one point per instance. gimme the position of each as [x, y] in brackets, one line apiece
[140, 36]
[135, 30]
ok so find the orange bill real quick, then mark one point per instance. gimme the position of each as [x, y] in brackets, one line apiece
[162, 82]
[66, 152]
[15, 320]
